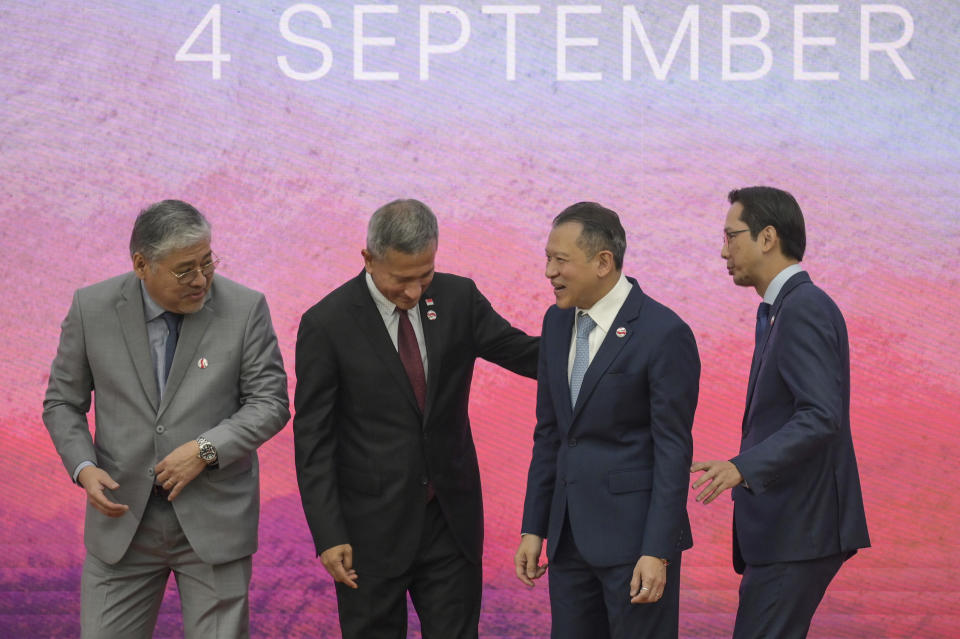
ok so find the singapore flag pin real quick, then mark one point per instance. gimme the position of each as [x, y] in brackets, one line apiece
[429, 301]
[431, 315]
[202, 362]
[621, 332]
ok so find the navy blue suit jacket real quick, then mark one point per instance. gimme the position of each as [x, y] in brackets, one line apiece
[617, 464]
[796, 454]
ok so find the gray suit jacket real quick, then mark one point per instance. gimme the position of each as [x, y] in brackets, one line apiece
[237, 399]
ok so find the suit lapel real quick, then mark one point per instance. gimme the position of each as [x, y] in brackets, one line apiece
[434, 336]
[788, 286]
[191, 332]
[559, 344]
[370, 322]
[133, 327]
[611, 346]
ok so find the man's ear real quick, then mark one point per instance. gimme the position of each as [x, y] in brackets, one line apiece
[139, 265]
[367, 258]
[769, 239]
[604, 263]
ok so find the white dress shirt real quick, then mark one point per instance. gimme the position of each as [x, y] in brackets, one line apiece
[603, 313]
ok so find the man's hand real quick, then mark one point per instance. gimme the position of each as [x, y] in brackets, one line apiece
[179, 468]
[338, 561]
[94, 480]
[721, 474]
[527, 559]
[649, 580]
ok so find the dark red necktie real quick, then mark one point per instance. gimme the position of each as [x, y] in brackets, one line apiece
[410, 357]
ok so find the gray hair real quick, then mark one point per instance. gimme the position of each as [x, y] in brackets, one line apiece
[165, 227]
[406, 226]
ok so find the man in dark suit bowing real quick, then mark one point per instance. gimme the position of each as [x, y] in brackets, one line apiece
[617, 388]
[798, 511]
[385, 458]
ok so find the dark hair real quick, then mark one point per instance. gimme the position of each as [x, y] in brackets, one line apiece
[167, 226]
[406, 226]
[602, 230]
[765, 206]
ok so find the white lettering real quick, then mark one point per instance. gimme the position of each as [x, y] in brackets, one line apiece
[756, 40]
[427, 49]
[690, 21]
[290, 36]
[563, 42]
[511, 11]
[867, 46]
[360, 41]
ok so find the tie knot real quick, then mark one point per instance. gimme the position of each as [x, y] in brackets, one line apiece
[585, 324]
[172, 320]
[763, 311]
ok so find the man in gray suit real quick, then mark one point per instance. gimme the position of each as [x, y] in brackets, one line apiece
[188, 382]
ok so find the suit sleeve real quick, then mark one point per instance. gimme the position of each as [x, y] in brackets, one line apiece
[541, 476]
[499, 342]
[674, 387]
[264, 405]
[314, 434]
[809, 363]
[67, 400]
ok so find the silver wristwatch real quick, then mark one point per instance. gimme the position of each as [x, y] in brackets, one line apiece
[208, 453]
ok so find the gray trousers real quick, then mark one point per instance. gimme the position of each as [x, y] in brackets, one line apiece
[122, 600]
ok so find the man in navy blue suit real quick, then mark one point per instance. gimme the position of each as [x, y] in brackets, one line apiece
[798, 511]
[617, 388]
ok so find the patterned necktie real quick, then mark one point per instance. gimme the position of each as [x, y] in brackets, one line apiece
[170, 347]
[409, 352]
[581, 360]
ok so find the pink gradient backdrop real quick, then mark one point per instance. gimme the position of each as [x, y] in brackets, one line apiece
[98, 120]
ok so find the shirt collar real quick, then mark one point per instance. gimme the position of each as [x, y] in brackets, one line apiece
[607, 307]
[151, 310]
[770, 296]
[385, 306]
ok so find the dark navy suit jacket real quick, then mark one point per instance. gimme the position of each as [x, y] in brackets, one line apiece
[617, 464]
[796, 454]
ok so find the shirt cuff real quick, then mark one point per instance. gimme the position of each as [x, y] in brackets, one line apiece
[81, 466]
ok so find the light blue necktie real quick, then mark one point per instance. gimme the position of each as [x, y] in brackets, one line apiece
[581, 360]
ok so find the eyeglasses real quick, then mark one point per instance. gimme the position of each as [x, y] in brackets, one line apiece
[190, 276]
[729, 235]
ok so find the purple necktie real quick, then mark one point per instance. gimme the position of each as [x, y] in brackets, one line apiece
[410, 357]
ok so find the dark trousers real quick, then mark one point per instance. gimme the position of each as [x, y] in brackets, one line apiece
[777, 601]
[588, 602]
[445, 589]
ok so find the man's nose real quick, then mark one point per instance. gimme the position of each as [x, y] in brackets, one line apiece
[413, 290]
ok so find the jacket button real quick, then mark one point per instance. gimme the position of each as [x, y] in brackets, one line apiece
[150, 471]
[160, 429]
[572, 442]
[424, 481]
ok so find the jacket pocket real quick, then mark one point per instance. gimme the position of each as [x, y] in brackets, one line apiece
[629, 481]
[360, 481]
